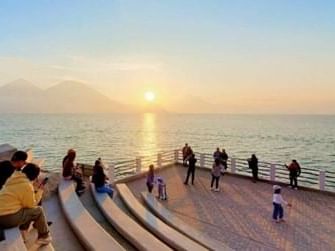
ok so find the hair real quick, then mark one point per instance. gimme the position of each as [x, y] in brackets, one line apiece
[31, 171]
[19, 156]
[277, 191]
[71, 154]
[98, 168]
[151, 169]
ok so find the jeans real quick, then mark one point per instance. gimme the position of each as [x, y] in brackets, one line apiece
[105, 189]
[216, 179]
[24, 217]
[190, 170]
[277, 211]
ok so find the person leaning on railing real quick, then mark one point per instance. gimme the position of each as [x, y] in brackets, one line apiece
[18, 203]
[295, 171]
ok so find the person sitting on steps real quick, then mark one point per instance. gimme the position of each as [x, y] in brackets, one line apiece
[99, 179]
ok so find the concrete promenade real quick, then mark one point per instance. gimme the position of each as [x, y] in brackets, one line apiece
[240, 215]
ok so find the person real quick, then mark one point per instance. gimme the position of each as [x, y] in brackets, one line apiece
[70, 172]
[99, 179]
[216, 173]
[253, 165]
[185, 152]
[224, 157]
[191, 168]
[217, 154]
[277, 201]
[162, 194]
[18, 203]
[7, 168]
[295, 171]
[150, 178]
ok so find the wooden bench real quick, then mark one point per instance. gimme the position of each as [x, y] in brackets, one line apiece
[169, 218]
[89, 232]
[138, 236]
[13, 241]
[170, 236]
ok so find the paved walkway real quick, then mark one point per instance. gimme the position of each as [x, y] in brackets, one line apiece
[240, 215]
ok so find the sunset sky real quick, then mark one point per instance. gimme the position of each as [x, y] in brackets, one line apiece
[270, 56]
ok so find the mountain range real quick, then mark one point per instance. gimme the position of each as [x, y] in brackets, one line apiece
[21, 96]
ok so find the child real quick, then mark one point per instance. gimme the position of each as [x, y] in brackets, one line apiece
[277, 201]
[216, 173]
[162, 195]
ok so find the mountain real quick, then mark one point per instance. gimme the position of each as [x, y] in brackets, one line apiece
[21, 96]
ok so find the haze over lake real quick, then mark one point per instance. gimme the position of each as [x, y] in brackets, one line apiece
[274, 138]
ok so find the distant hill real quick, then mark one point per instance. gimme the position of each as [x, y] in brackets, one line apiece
[21, 96]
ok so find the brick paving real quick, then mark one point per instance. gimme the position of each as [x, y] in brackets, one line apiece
[240, 215]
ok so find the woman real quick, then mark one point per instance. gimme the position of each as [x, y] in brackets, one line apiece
[70, 173]
[150, 178]
[216, 174]
[18, 203]
[253, 165]
[99, 179]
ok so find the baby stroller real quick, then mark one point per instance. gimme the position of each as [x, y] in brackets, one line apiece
[162, 194]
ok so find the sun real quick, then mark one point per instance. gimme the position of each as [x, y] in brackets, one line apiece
[149, 96]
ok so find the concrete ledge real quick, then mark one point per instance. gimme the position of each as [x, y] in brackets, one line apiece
[89, 232]
[170, 236]
[127, 227]
[13, 241]
[170, 219]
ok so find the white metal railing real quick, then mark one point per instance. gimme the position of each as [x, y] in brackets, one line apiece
[319, 179]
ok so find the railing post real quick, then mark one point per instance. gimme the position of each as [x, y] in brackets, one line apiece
[111, 175]
[273, 172]
[233, 165]
[322, 180]
[159, 160]
[138, 165]
[176, 156]
[202, 160]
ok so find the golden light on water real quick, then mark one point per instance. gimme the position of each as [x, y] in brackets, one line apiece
[149, 96]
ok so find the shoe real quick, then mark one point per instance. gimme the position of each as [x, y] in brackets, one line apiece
[44, 241]
[217, 190]
[281, 220]
[185, 183]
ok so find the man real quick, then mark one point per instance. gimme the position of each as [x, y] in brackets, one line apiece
[7, 168]
[295, 170]
[191, 168]
[224, 158]
[18, 203]
[217, 154]
[185, 151]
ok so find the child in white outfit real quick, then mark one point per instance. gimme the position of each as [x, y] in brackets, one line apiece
[277, 201]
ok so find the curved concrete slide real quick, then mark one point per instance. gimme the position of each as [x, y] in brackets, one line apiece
[169, 218]
[138, 236]
[170, 236]
[13, 241]
[89, 232]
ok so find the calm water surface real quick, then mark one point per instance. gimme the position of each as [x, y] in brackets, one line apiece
[310, 139]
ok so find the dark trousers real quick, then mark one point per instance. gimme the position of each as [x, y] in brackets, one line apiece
[190, 170]
[277, 211]
[216, 179]
[79, 181]
[150, 186]
[293, 179]
[255, 174]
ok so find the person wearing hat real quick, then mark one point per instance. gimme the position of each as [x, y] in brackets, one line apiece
[277, 201]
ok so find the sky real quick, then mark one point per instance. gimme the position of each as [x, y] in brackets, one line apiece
[260, 56]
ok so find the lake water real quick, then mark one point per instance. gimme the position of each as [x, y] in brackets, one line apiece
[310, 139]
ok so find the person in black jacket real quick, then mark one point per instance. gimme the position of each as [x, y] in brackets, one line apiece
[99, 179]
[253, 165]
[224, 158]
[191, 168]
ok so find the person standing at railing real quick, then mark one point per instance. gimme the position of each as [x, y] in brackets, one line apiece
[150, 178]
[217, 154]
[186, 152]
[191, 168]
[253, 165]
[295, 171]
[224, 157]
[216, 174]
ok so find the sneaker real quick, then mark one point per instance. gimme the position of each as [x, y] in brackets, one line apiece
[217, 190]
[44, 241]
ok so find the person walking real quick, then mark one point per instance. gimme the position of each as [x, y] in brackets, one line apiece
[278, 201]
[18, 204]
[191, 169]
[294, 172]
[216, 173]
[150, 178]
[253, 165]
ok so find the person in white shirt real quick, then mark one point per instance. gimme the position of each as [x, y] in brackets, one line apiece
[277, 201]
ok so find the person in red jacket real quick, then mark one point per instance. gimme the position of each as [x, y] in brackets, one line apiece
[295, 171]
